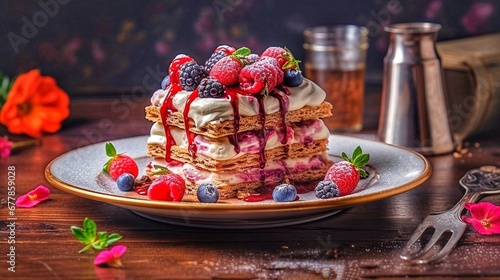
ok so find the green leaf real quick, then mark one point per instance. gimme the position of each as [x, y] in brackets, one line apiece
[86, 235]
[102, 235]
[93, 239]
[362, 173]
[361, 160]
[85, 248]
[90, 227]
[80, 234]
[112, 238]
[110, 150]
[291, 63]
[163, 170]
[241, 52]
[100, 243]
[345, 157]
[357, 152]
[105, 167]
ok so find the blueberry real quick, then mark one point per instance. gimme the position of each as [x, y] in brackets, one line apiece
[327, 189]
[292, 78]
[125, 182]
[207, 193]
[284, 193]
[165, 82]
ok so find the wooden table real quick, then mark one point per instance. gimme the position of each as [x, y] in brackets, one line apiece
[360, 242]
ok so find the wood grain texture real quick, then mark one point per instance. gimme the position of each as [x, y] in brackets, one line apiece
[362, 241]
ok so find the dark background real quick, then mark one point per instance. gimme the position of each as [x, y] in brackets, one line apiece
[106, 46]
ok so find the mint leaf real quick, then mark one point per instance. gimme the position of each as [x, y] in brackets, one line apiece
[87, 235]
[112, 238]
[81, 235]
[93, 239]
[100, 243]
[242, 52]
[90, 227]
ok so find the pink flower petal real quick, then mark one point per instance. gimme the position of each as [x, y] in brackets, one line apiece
[485, 217]
[118, 250]
[104, 257]
[111, 257]
[33, 197]
[5, 147]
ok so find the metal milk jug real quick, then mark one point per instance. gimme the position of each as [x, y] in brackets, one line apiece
[413, 110]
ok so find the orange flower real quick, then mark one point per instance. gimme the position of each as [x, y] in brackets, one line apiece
[35, 104]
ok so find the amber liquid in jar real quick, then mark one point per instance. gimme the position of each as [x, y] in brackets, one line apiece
[345, 90]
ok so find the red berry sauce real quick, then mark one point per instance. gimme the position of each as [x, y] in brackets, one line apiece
[231, 94]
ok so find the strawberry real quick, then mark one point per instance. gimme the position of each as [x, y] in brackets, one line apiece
[346, 174]
[226, 70]
[284, 57]
[119, 163]
[261, 77]
[228, 50]
[168, 187]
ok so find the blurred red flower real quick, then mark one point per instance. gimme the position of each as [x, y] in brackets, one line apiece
[35, 104]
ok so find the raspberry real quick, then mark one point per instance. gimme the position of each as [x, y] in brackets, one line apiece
[169, 187]
[284, 57]
[252, 58]
[119, 163]
[327, 189]
[261, 77]
[190, 75]
[346, 174]
[214, 58]
[210, 88]
[226, 70]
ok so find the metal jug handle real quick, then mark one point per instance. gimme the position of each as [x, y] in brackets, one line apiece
[480, 99]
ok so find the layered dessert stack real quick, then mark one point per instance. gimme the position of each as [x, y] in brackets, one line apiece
[240, 121]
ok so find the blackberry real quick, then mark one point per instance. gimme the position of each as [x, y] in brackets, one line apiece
[327, 189]
[214, 58]
[210, 88]
[191, 75]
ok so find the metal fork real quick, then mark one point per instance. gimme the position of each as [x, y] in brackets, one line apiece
[477, 182]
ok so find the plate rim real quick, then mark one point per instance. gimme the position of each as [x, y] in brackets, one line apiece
[334, 203]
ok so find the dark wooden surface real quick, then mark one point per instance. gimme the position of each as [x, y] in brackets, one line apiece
[360, 242]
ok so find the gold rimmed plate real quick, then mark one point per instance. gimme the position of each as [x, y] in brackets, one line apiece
[392, 170]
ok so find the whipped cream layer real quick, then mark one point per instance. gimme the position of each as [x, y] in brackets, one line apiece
[272, 169]
[207, 110]
[223, 148]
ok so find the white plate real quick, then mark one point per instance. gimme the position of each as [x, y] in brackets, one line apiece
[392, 169]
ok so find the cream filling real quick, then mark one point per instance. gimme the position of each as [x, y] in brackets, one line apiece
[223, 149]
[278, 167]
[207, 110]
